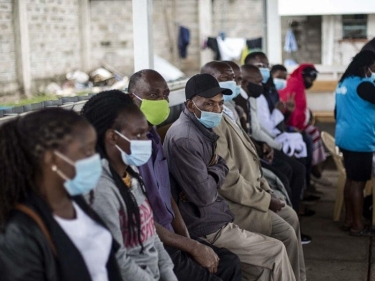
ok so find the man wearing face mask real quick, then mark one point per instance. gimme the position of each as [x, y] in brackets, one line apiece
[194, 260]
[198, 172]
[254, 205]
[279, 74]
[271, 111]
[252, 88]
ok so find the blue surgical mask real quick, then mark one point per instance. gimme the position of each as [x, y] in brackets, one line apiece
[279, 83]
[88, 172]
[265, 73]
[231, 85]
[209, 119]
[140, 151]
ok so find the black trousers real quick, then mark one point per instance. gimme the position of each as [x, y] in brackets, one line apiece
[291, 171]
[186, 269]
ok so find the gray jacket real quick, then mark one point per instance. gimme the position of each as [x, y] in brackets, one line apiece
[154, 263]
[196, 176]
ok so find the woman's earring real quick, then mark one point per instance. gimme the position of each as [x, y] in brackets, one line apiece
[54, 168]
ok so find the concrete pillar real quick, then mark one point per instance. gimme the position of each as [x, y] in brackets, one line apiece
[22, 44]
[142, 34]
[205, 28]
[85, 33]
[273, 38]
[370, 26]
[328, 39]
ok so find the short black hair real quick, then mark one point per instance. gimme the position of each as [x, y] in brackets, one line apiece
[254, 55]
[278, 67]
[136, 77]
[250, 68]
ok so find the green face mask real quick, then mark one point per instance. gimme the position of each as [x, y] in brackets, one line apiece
[156, 111]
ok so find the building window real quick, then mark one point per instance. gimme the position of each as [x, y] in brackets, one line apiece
[354, 26]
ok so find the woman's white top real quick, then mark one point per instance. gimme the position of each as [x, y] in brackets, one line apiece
[93, 241]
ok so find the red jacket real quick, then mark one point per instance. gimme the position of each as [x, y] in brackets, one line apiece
[295, 85]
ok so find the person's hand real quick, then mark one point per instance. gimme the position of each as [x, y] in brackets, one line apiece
[276, 204]
[206, 257]
[290, 103]
[267, 152]
[280, 106]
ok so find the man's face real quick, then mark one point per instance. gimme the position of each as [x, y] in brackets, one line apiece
[251, 77]
[281, 74]
[308, 81]
[151, 86]
[227, 74]
[260, 62]
[214, 104]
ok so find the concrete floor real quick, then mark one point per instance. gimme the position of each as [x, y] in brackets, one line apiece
[334, 255]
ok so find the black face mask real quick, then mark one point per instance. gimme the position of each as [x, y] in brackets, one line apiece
[254, 90]
[308, 85]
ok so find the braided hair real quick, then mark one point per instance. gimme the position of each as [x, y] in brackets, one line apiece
[103, 111]
[361, 60]
[23, 143]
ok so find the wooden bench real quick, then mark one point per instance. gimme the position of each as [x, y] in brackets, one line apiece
[323, 86]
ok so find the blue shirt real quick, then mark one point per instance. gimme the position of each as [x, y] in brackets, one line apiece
[155, 174]
[355, 117]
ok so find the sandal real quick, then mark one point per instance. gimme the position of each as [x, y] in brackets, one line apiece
[366, 232]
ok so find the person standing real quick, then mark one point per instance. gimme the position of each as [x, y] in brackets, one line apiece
[355, 135]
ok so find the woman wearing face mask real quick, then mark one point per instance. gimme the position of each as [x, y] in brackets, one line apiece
[47, 231]
[355, 135]
[120, 197]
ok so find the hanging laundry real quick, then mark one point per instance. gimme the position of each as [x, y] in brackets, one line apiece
[230, 48]
[212, 44]
[252, 45]
[290, 42]
[183, 41]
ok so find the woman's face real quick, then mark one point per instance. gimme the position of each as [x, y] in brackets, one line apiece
[135, 128]
[79, 144]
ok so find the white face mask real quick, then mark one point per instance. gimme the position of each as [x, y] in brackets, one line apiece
[140, 151]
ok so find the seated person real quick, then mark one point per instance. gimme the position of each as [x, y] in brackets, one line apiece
[249, 196]
[271, 114]
[47, 230]
[120, 194]
[279, 74]
[301, 79]
[198, 172]
[193, 259]
[252, 88]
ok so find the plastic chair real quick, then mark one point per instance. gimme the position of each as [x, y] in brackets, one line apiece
[329, 142]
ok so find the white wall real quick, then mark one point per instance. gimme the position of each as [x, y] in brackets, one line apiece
[335, 50]
[325, 7]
